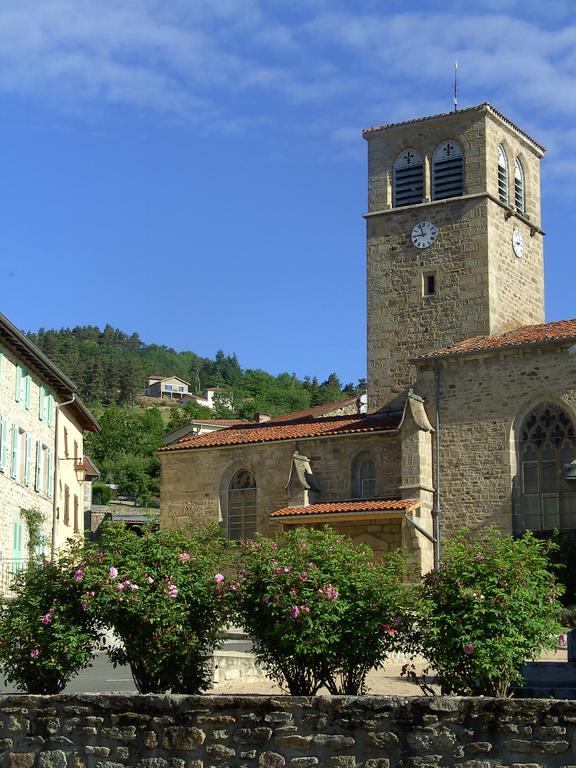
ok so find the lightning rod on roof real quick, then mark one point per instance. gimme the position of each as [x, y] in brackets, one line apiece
[455, 86]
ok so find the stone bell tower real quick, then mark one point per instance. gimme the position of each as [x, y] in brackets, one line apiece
[454, 244]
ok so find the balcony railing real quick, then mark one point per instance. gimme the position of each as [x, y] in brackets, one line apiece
[8, 568]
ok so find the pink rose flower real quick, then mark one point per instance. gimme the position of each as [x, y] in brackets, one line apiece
[304, 576]
[329, 592]
[387, 629]
[46, 619]
[79, 575]
[172, 590]
[469, 648]
[183, 557]
[218, 578]
[295, 611]
[34, 652]
[113, 572]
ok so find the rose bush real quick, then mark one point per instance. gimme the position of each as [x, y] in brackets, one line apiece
[159, 595]
[320, 611]
[46, 636]
[491, 606]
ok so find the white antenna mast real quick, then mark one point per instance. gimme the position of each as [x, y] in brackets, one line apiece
[455, 86]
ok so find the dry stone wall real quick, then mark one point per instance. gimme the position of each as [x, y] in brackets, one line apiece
[105, 731]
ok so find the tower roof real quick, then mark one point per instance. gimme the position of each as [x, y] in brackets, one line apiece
[484, 107]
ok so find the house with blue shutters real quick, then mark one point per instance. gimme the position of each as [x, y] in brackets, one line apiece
[42, 424]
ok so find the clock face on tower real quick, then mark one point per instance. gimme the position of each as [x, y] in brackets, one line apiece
[517, 243]
[424, 234]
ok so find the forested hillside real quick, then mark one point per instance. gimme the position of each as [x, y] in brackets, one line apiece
[110, 369]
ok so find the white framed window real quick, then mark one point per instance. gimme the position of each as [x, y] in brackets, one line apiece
[447, 170]
[408, 178]
[519, 189]
[168, 387]
[44, 474]
[502, 174]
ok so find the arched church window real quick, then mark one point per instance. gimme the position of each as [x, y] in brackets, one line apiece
[519, 194]
[408, 178]
[502, 174]
[242, 506]
[363, 477]
[447, 170]
[547, 450]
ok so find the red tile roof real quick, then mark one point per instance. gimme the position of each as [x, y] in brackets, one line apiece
[309, 426]
[559, 332]
[477, 108]
[343, 507]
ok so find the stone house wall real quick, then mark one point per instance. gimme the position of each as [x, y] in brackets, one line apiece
[120, 731]
[483, 401]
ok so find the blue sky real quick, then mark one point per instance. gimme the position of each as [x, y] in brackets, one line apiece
[194, 169]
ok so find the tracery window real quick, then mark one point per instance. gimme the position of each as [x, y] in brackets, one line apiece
[547, 448]
[408, 178]
[502, 174]
[447, 170]
[519, 193]
[363, 477]
[241, 521]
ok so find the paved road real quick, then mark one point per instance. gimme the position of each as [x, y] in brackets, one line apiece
[102, 676]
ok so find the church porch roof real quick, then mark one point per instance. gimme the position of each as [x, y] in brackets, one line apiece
[363, 509]
[558, 332]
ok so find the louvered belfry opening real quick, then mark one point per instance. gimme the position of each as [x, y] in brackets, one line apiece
[408, 178]
[502, 175]
[519, 196]
[447, 170]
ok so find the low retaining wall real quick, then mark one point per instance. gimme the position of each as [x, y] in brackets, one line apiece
[112, 731]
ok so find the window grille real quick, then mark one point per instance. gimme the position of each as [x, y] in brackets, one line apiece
[242, 506]
[502, 175]
[547, 498]
[408, 178]
[519, 198]
[447, 170]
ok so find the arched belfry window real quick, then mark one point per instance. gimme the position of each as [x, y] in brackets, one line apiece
[502, 174]
[519, 191]
[447, 170]
[408, 178]
[363, 477]
[547, 498]
[241, 521]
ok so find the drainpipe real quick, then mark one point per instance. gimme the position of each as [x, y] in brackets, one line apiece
[55, 477]
[436, 511]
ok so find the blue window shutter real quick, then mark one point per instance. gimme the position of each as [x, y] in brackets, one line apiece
[28, 460]
[50, 473]
[42, 405]
[3, 443]
[18, 383]
[14, 458]
[39, 467]
[50, 418]
[27, 391]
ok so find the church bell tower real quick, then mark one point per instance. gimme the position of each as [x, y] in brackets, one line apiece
[454, 242]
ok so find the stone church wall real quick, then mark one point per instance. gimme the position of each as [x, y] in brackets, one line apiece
[194, 481]
[120, 731]
[482, 401]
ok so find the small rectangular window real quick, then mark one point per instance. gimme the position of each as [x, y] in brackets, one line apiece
[429, 284]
